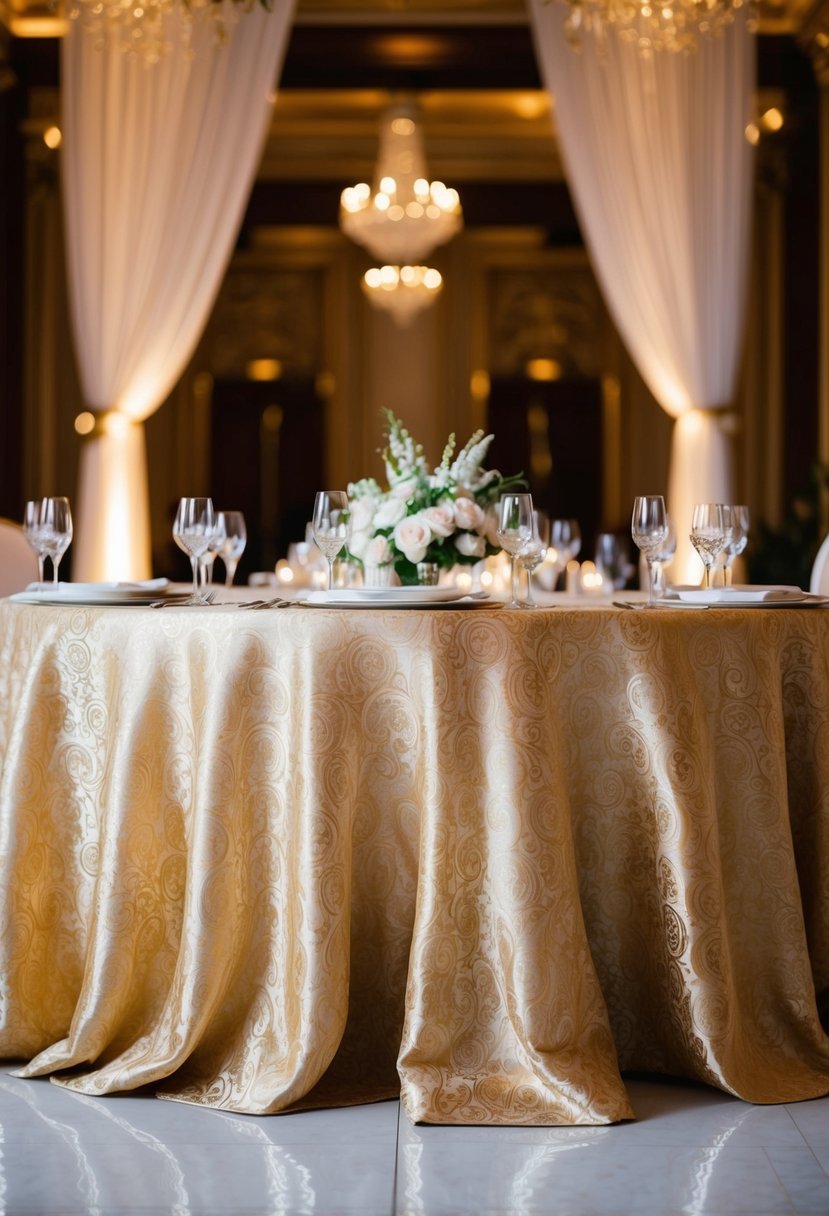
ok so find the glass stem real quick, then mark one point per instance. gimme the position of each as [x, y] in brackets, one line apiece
[55, 564]
[651, 581]
[194, 562]
[230, 571]
[40, 572]
[530, 601]
[726, 574]
[330, 574]
[516, 575]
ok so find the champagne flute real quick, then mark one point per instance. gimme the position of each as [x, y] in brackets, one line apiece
[235, 540]
[534, 552]
[737, 520]
[332, 525]
[708, 534]
[515, 529]
[192, 529]
[56, 522]
[649, 529]
[34, 532]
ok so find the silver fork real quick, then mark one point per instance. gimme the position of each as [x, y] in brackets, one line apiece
[182, 603]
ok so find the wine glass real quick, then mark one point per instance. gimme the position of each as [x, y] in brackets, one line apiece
[649, 529]
[514, 531]
[737, 523]
[56, 525]
[708, 534]
[332, 525]
[565, 542]
[214, 547]
[235, 539]
[661, 558]
[34, 532]
[534, 552]
[194, 523]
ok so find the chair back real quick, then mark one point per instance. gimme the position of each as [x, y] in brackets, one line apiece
[819, 582]
[18, 564]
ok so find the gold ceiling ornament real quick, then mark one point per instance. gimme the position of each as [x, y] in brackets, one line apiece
[149, 28]
[402, 291]
[403, 216]
[675, 26]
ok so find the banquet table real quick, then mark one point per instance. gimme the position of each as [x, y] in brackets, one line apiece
[488, 860]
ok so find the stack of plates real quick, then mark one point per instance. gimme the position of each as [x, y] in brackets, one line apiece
[99, 593]
[395, 597]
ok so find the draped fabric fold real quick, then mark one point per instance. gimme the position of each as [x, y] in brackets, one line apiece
[661, 174]
[158, 163]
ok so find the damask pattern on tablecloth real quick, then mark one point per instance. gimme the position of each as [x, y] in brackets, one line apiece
[252, 859]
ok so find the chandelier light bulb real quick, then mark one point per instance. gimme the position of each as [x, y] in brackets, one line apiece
[673, 27]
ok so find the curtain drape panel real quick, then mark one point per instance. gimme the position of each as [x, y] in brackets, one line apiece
[661, 175]
[158, 163]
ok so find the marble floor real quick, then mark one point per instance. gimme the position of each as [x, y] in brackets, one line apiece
[692, 1150]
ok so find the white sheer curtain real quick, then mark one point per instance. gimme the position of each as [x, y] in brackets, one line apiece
[158, 165]
[661, 175]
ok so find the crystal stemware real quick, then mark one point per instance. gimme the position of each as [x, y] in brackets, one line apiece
[649, 528]
[332, 525]
[34, 533]
[515, 529]
[235, 539]
[56, 525]
[737, 523]
[565, 543]
[663, 556]
[534, 553]
[192, 529]
[708, 534]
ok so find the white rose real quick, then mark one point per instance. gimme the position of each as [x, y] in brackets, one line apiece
[362, 515]
[377, 551]
[389, 513]
[404, 489]
[469, 515]
[358, 542]
[441, 519]
[470, 544]
[412, 536]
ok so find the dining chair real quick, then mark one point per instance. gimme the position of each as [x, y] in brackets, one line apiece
[819, 582]
[18, 564]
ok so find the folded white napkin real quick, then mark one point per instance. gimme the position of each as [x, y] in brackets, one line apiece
[740, 594]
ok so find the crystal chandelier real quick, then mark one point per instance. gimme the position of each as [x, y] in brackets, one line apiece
[670, 25]
[403, 216]
[149, 28]
[404, 291]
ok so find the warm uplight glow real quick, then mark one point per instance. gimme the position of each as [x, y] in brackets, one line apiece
[463, 580]
[284, 573]
[52, 137]
[264, 369]
[479, 384]
[531, 105]
[772, 119]
[85, 423]
[543, 369]
[753, 134]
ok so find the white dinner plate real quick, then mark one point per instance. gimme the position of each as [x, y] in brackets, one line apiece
[744, 597]
[404, 597]
[99, 593]
[387, 595]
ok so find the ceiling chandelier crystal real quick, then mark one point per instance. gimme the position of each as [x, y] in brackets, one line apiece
[674, 25]
[403, 291]
[403, 216]
[148, 29]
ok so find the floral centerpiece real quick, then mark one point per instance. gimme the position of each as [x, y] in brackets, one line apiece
[445, 517]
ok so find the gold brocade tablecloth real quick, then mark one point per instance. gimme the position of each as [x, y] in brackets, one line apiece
[266, 859]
